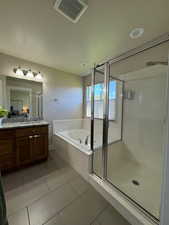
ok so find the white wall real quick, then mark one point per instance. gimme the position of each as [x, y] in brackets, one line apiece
[145, 114]
[2, 91]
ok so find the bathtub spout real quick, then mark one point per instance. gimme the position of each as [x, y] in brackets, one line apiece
[87, 140]
[80, 141]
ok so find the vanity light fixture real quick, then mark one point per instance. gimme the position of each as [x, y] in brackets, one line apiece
[28, 73]
[38, 76]
[18, 71]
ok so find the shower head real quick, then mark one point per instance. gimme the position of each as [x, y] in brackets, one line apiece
[153, 63]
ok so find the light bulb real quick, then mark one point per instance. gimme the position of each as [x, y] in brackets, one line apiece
[30, 74]
[19, 72]
[39, 76]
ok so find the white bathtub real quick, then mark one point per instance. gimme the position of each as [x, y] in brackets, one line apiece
[76, 137]
[70, 141]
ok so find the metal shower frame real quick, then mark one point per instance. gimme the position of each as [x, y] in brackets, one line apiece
[151, 44]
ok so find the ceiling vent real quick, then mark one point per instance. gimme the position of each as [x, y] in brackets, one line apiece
[71, 9]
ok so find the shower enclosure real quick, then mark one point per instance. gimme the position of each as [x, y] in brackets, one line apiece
[128, 124]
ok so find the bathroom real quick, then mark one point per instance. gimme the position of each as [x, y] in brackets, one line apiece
[84, 113]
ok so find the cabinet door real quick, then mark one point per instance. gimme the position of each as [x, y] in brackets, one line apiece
[7, 154]
[40, 147]
[24, 146]
[7, 147]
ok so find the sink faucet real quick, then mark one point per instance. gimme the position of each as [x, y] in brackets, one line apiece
[87, 139]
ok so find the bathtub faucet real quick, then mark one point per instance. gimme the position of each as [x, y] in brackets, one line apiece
[87, 139]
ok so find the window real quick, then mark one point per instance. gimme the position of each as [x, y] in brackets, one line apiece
[99, 100]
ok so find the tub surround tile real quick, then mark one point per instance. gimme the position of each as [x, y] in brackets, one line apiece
[78, 160]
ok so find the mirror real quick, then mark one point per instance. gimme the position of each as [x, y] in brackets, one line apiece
[22, 98]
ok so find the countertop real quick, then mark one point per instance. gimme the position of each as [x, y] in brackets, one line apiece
[23, 124]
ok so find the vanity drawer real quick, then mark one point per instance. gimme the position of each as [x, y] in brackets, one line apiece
[5, 134]
[23, 132]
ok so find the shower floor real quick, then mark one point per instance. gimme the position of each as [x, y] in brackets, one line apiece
[139, 182]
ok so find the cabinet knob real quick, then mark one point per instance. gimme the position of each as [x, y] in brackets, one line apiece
[36, 136]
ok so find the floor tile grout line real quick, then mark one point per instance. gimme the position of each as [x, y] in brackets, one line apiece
[29, 221]
[7, 191]
[15, 212]
[70, 203]
[23, 180]
[95, 218]
[78, 196]
[49, 191]
[45, 181]
[26, 206]
[77, 191]
[97, 223]
[68, 182]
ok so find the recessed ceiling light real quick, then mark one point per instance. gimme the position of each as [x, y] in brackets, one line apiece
[136, 33]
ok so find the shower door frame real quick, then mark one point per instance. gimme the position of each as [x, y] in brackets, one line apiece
[165, 185]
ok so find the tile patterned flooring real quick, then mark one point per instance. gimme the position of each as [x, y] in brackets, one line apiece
[52, 193]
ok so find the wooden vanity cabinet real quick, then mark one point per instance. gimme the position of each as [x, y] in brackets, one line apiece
[20, 147]
[7, 150]
[31, 144]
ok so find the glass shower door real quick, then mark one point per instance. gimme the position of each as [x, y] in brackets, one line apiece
[135, 163]
[129, 145]
[98, 106]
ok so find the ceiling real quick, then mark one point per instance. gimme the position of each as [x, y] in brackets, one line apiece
[33, 30]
